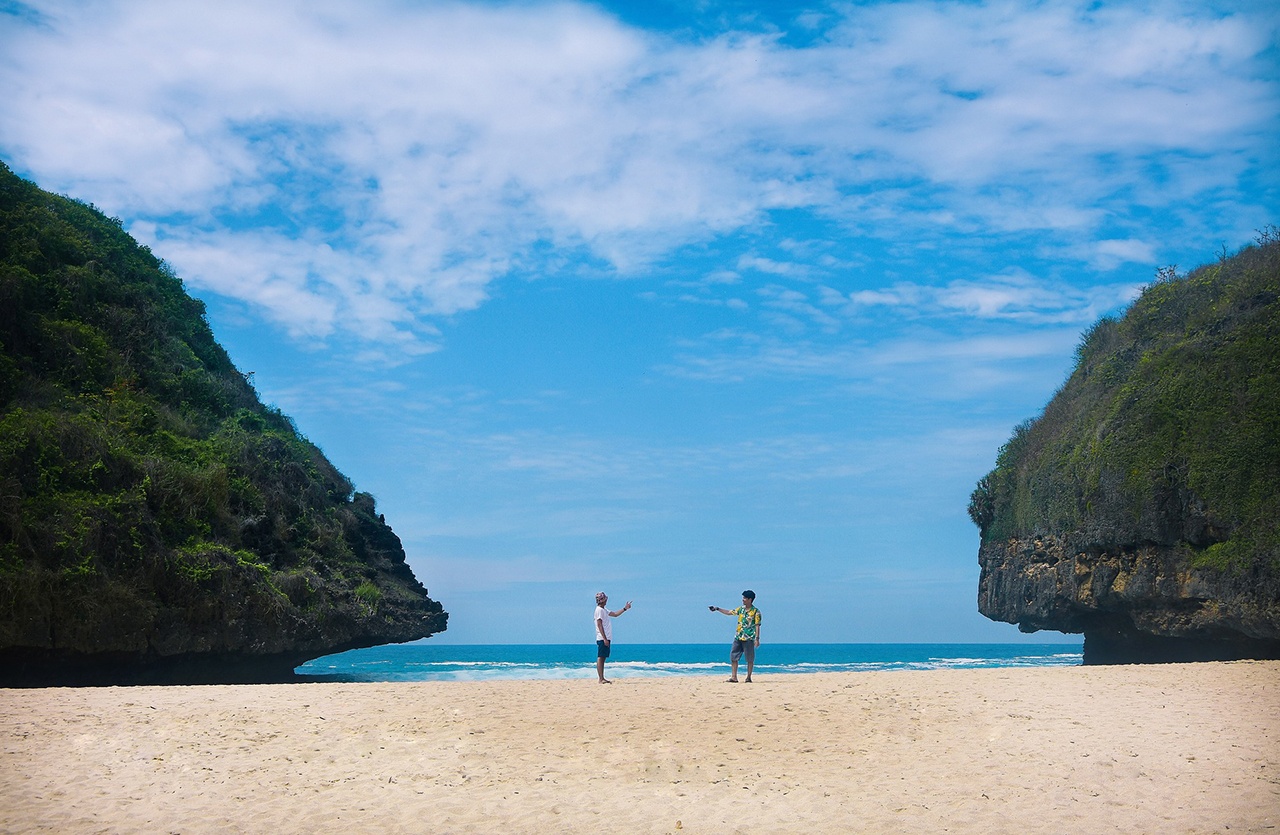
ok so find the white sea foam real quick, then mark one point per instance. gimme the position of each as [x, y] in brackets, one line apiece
[425, 662]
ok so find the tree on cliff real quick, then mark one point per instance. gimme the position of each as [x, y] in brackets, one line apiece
[154, 514]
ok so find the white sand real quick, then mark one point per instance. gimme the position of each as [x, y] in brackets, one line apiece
[1152, 749]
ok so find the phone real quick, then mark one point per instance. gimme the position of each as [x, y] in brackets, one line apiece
[712, 608]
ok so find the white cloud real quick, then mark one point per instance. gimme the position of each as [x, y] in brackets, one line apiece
[1109, 254]
[1014, 296]
[797, 304]
[954, 340]
[771, 267]
[927, 369]
[357, 169]
[902, 295]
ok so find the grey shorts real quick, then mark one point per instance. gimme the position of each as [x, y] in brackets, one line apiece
[741, 648]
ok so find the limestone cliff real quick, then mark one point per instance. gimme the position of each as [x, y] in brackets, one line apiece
[157, 521]
[1142, 508]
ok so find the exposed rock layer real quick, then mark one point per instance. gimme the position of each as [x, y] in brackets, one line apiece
[234, 627]
[1144, 603]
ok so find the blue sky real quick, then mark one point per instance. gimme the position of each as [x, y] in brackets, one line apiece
[668, 299]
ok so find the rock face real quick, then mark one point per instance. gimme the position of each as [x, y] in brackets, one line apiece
[1134, 604]
[1142, 508]
[235, 626]
[158, 523]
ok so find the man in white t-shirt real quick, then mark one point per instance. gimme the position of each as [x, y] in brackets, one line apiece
[604, 632]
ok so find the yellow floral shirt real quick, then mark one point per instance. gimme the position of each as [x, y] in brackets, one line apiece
[748, 622]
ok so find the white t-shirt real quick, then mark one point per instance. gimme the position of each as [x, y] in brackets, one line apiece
[602, 615]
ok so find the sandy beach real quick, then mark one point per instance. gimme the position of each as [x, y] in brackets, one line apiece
[1152, 749]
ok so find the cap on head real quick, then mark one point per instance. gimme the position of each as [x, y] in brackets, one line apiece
[749, 594]
[601, 595]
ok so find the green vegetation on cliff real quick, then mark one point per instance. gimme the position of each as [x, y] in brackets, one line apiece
[149, 503]
[1168, 430]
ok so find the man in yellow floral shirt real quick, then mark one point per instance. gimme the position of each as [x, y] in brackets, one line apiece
[747, 638]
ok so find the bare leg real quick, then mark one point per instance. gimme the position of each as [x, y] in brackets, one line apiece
[600, 671]
[734, 676]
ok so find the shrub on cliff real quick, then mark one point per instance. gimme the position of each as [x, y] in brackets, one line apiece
[1168, 429]
[150, 505]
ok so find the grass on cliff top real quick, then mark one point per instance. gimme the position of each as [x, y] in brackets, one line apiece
[1167, 430]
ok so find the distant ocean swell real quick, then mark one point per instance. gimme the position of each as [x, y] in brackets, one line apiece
[427, 662]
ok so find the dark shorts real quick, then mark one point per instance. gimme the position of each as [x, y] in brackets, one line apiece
[741, 648]
[602, 649]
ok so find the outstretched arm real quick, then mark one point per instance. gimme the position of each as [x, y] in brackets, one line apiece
[620, 611]
[721, 611]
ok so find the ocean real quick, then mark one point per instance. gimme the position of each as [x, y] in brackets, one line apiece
[443, 662]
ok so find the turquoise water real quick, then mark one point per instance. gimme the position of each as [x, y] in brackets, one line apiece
[442, 662]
